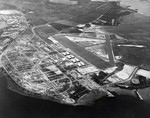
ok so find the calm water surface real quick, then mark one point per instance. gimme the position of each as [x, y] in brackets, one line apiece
[14, 105]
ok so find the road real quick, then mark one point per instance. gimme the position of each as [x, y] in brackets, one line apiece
[110, 51]
[98, 62]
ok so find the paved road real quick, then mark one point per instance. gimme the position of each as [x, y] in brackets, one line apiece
[110, 51]
[97, 62]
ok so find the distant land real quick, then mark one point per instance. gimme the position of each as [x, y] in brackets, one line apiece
[65, 1]
[81, 62]
[143, 6]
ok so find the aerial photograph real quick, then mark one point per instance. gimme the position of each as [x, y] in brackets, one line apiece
[74, 58]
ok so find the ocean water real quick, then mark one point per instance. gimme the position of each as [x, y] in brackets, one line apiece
[143, 6]
[14, 105]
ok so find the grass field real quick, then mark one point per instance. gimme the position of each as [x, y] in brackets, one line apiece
[134, 55]
[43, 31]
[59, 26]
[133, 27]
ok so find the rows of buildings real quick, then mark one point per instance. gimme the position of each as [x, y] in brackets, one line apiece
[12, 24]
[64, 67]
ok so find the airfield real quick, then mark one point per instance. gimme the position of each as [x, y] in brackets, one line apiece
[70, 68]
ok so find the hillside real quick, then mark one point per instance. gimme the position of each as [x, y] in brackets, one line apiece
[50, 11]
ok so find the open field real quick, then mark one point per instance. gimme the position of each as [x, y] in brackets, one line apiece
[45, 31]
[134, 55]
[133, 27]
[38, 21]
